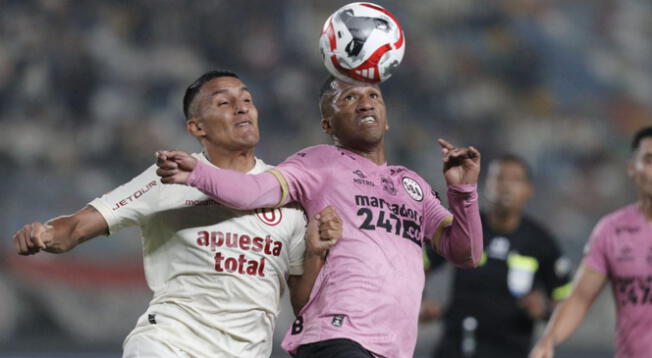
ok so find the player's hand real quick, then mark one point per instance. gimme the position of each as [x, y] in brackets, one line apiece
[461, 165]
[534, 304]
[33, 238]
[324, 230]
[430, 310]
[545, 348]
[174, 166]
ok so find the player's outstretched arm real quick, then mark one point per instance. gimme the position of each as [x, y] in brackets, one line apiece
[461, 242]
[324, 230]
[229, 187]
[60, 234]
[570, 313]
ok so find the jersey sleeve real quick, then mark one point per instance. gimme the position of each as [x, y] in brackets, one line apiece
[297, 241]
[595, 252]
[461, 241]
[130, 203]
[301, 175]
[436, 218]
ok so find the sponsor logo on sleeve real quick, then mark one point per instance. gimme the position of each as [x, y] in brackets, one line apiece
[140, 192]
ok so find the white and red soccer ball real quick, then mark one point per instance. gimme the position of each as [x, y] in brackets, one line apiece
[362, 42]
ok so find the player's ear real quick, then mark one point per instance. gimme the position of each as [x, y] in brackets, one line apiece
[195, 127]
[326, 126]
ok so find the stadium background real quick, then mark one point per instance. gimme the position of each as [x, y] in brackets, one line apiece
[89, 90]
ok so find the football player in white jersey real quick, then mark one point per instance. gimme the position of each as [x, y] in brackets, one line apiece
[217, 274]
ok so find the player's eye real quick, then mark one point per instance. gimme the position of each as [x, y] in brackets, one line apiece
[374, 95]
[349, 97]
[222, 103]
[247, 100]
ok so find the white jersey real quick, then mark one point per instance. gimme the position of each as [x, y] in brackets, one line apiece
[217, 274]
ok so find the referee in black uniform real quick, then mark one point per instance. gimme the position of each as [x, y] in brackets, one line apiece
[493, 308]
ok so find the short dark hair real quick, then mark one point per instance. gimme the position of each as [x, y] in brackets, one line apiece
[642, 133]
[193, 89]
[513, 158]
[327, 86]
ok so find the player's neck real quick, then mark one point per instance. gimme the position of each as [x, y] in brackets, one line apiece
[376, 153]
[504, 221]
[645, 203]
[242, 161]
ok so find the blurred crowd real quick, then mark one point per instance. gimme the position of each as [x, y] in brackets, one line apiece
[89, 90]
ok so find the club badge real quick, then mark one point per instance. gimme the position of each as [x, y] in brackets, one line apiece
[413, 188]
[271, 217]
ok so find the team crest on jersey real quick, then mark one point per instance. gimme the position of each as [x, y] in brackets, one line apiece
[271, 217]
[388, 186]
[413, 188]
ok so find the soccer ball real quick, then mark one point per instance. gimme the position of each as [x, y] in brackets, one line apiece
[362, 42]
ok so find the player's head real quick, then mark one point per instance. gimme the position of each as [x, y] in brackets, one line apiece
[354, 115]
[220, 111]
[640, 165]
[509, 183]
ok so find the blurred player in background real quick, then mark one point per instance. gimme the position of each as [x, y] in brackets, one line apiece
[217, 274]
[493, 309]
[619, 251]
[366, 300]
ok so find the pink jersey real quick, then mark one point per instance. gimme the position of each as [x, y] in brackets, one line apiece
[621, 248]
[370, 288]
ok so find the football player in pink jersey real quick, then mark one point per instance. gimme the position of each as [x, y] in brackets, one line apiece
[365, 301]
[217, 274]
[619, 251]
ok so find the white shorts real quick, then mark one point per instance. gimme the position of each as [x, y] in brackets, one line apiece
[145, 345]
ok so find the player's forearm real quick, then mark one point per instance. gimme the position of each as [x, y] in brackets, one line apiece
[65, 234]
[300, 292]
[565, 319]
[462, 241]
[235, 189]
[70, 230]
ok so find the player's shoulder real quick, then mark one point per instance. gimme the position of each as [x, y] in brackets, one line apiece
[317, 150]
[314, 156]
[617, 220]
[406, 176]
